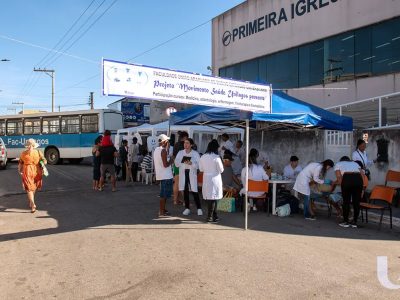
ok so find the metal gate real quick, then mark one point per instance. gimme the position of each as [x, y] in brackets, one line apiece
[338, 144]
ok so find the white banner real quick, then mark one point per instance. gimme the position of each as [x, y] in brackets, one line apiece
[128, 80]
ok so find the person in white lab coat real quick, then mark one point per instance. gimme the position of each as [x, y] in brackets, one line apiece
[187, 160]
[256, 173]
[312, 173]
[211, 166]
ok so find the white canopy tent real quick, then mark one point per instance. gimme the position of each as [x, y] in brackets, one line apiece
[199, 133]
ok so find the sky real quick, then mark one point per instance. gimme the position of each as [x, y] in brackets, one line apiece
[72, 36]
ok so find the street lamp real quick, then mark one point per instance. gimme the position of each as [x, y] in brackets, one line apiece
[5, 59]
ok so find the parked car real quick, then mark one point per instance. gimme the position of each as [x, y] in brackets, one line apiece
[3, 155]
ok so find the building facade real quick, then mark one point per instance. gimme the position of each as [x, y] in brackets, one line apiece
[325, 52]
[342, 55]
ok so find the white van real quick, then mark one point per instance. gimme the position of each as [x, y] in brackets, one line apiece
[3, 155]
[201, 135]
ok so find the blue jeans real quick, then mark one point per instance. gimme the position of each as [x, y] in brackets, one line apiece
[306, 199]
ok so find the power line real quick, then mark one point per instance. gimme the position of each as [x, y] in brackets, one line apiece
[90, 26]
[45, 48]
[169, 40]
[66, 33]
[49, 61]
[155, 47]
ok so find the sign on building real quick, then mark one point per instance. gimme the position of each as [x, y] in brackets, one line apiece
[135, 112]
[128, 80]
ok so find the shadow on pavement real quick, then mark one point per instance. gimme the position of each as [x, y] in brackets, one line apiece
[135, 207]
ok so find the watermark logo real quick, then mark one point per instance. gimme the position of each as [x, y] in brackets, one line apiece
[382, 273]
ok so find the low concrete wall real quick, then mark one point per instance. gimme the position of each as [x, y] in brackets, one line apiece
[278, 146]
[309, 146]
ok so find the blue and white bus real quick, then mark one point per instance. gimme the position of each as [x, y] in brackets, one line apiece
[61, 135]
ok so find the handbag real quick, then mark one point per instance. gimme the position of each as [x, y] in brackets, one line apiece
[227, 203]
[44, 168]
[367, 173]
[43, 165]
[283, 211]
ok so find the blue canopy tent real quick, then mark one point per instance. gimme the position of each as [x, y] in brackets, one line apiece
[287, 113]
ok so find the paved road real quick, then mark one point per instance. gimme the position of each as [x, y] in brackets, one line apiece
[83, 244]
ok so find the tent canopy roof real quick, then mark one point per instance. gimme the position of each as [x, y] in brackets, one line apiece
[287, 112]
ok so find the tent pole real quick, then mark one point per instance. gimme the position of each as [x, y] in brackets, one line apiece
[246, 184]
[262, 140]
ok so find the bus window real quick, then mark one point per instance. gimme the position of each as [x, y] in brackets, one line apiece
[32, 126]
[14, 127]
[70, 124]
[2, 127]
[90, 123]
[51, 125]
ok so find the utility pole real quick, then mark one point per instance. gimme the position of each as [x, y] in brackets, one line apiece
[52, 74]
[20, 103]
[13, 109]
[91, 100]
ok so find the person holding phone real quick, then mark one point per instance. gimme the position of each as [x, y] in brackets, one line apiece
[187, 160]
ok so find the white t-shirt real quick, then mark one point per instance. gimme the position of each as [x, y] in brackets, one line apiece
[347, 166]
[162, 172]
[256, 173]
[291, 173]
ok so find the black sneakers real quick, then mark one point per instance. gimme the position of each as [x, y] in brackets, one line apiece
[212, 220]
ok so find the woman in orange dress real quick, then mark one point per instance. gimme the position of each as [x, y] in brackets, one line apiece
[31, 171]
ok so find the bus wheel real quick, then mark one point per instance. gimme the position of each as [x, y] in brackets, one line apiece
[52, 156]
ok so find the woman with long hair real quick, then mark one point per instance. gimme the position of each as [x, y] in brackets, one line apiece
[256, 172]
[211, 166]
[312, 173]
[31, 171]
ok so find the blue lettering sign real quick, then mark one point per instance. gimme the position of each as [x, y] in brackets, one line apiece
[274, 18]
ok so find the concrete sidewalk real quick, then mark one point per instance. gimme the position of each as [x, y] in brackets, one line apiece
[83, 244]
